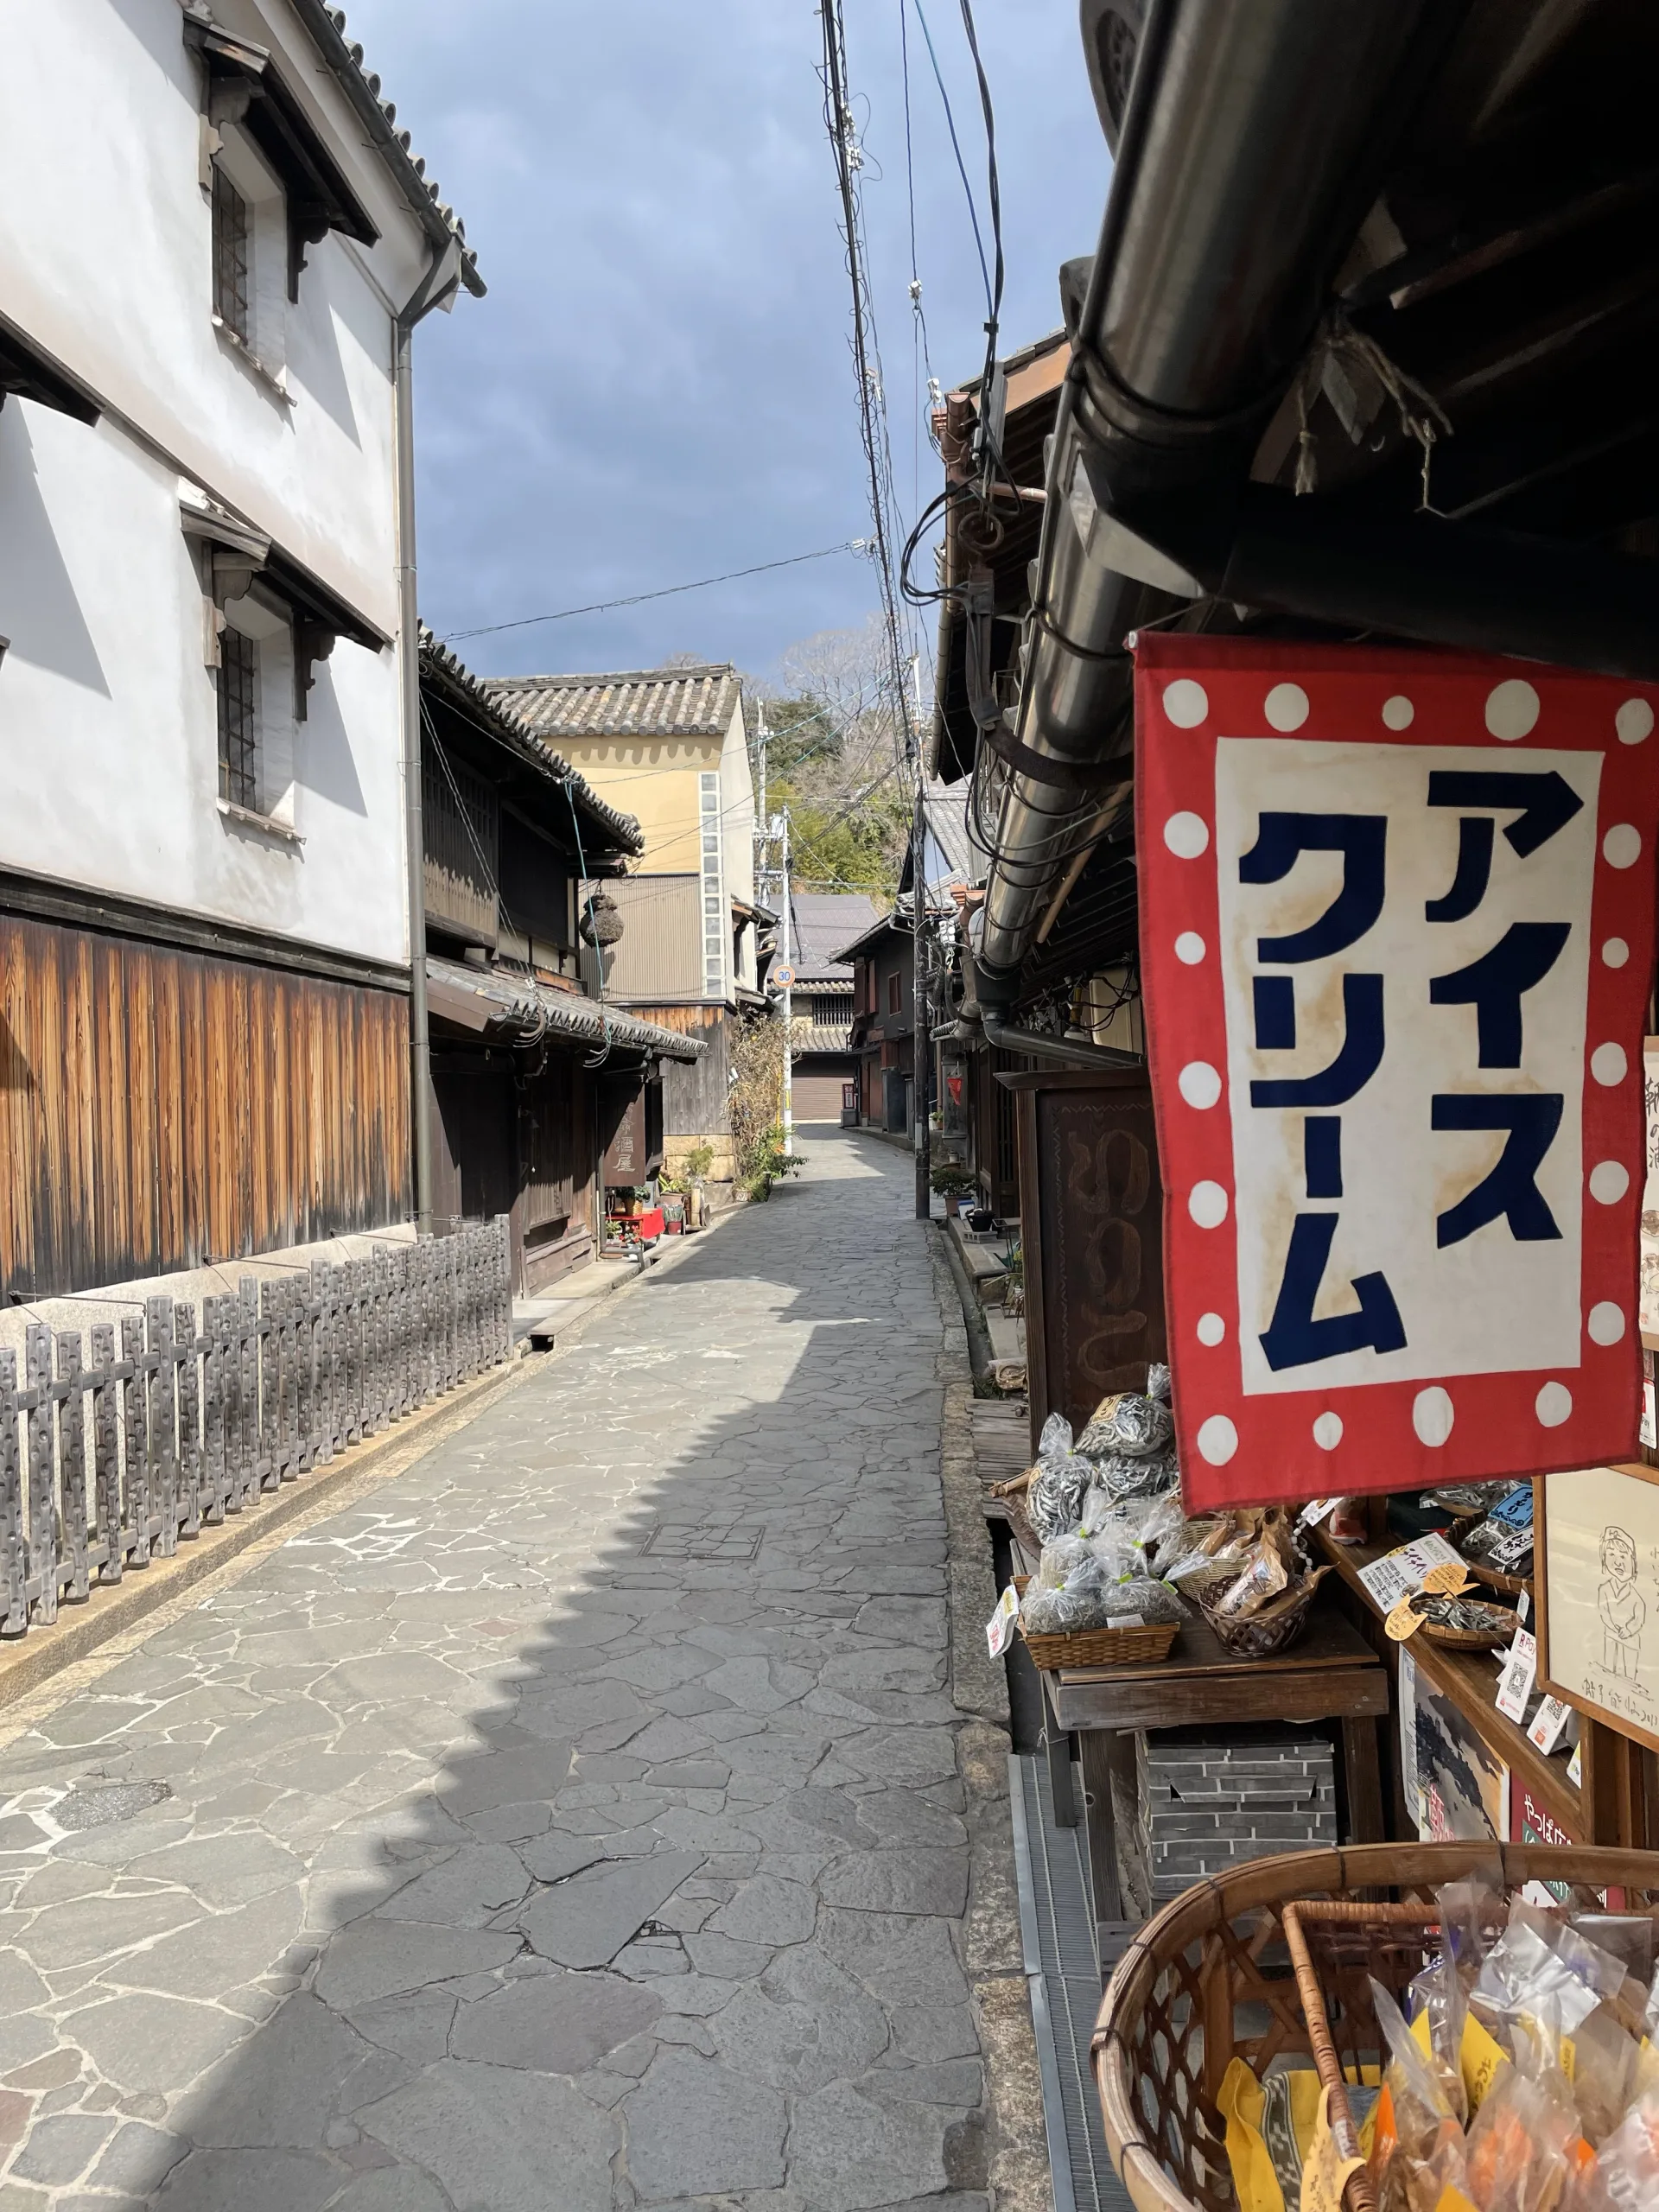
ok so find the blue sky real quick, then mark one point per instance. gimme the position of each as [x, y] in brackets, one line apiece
[658, 387]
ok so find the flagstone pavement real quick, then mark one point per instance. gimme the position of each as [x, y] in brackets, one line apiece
[573, 1821]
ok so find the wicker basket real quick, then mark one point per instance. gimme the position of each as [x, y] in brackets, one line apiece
[1098, 1647]
[1211, 1979]
[1499, 1634]
[1277, 1626]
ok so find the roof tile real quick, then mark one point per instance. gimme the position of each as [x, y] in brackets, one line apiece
[641, 702]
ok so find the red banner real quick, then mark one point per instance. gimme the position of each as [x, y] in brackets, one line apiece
[1396, 942]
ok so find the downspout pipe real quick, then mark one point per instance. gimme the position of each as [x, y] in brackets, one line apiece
[437, 288]
[1254, 140]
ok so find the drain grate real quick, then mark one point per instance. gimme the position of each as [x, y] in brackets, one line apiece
[1055, 1922]
[108, 1801]
[703, 1540]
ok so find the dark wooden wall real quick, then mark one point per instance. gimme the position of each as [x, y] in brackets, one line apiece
[1091, 1230]
[161, 1108]
[696, 1094]
[518, 1144]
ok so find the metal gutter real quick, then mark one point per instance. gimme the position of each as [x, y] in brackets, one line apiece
[1254, 140]
[436, 288]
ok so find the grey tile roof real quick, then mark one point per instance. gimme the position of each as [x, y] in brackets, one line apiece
[640, 702]
[444, 668]
[362, 87]
[507, 998]
[820, 924]
[946, 809]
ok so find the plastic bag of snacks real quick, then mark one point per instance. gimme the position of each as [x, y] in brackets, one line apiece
[1627, 2170]
[1068, 1591]
[1129, 1424]
[1059, 1481]
[1417, 2145]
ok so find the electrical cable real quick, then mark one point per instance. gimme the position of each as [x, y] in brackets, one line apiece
[669, 591]
[962, 166]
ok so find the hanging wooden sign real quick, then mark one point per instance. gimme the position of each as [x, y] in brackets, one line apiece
[1396, 938]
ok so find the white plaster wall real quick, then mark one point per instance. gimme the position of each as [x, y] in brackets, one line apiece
[109, 752]
[108, 739]
[737, 811]
[105, 260]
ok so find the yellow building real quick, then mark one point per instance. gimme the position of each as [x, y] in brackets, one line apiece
[670, 746]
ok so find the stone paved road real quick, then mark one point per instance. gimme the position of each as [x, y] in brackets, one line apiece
[572, 1822]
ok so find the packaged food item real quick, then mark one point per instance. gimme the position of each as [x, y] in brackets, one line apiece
[1158, 1382]
[1128, 1423]
[1124, 1475]
[1264, 1576]
[1417, 2145]
[1627, 2166]
[1059, 1481]
[1518, 2158]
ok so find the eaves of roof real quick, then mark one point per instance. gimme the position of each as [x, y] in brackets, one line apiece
[344, 56]
[442, 667]
[514, 1007]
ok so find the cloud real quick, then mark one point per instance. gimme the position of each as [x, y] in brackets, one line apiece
[658, 387]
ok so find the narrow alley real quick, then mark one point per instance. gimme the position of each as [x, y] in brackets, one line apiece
[573, 1820]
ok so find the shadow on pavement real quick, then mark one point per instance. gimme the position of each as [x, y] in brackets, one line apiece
[573, 1823]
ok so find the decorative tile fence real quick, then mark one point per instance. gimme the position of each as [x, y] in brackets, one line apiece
[106, 1461]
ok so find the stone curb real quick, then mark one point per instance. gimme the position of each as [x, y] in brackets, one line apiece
[1017, 2149]
[114, 1612]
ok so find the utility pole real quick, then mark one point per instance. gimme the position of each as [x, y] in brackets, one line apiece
[785, 904]
[921, 1044]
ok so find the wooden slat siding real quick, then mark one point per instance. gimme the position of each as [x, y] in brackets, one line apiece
[163, 1110]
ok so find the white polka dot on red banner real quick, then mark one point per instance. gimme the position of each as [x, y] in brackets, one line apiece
[1609, 1180]
[1608, 1064]
[1553, 1404]
[1615, 953]
[1207, 1204]
[1634, 721]
[1217, 1439]
[1186, 704]
[1186, 835]
[1512, 711]
[1211, 1329]
[1189, 948]
[1286, 706]
[1327, 1432]
[1432, 1414]
[1397, 713]
[1606, 1323]
[1199, 1084]
[1621, 846]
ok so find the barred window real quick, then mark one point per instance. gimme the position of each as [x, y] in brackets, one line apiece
[238, 719]
[231, 256]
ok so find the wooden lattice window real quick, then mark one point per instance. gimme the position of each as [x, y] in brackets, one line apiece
[238, 719]
[232, 254]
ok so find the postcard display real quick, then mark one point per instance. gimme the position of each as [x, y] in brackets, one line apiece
[1397, 947]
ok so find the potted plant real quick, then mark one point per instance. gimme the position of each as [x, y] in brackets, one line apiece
[953, 1184]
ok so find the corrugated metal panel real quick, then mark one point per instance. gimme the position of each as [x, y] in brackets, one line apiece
[659, 954]
[162, 1109]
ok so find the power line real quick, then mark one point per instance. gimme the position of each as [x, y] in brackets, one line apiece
[669, 591]
[961, 167]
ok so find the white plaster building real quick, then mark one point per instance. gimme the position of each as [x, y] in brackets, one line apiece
[217, 241]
